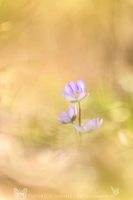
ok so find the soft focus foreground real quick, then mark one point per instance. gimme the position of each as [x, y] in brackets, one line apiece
[43, 45]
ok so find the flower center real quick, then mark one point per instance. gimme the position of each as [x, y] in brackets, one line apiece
[76, 94]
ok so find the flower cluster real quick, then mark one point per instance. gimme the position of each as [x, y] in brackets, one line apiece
[75, 92]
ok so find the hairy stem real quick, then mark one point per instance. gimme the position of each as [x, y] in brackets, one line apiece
[80, 122]
[77, 136]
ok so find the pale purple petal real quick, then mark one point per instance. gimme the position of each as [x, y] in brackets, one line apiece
[95, 122]
[67, 96]
[92, 124]
[69, 89]
[82, 96]
[63, 114]
[72, 111]
[71, 106]
[78, 128]
[73, 86]
[65, 119]
[88, 125]
[81, 85]
[64, 92]
[59, 119]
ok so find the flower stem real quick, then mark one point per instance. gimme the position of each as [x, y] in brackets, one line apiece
[80, 122]
[77, 136]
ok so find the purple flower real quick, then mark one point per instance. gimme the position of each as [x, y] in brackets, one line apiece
[90, 124]
[67, 117]
[75, 91]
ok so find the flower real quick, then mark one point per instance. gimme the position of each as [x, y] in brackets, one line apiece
[67, 117]
[90, 124]
[75, 91]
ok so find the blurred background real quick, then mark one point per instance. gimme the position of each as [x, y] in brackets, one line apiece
[43, 45]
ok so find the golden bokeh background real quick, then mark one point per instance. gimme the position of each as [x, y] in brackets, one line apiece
[43, 45]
